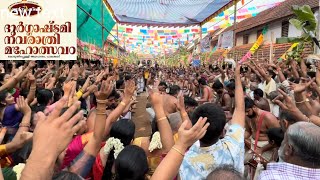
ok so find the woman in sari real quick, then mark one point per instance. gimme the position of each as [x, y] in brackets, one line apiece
[122, 133]
[21, 137]
[10, 114]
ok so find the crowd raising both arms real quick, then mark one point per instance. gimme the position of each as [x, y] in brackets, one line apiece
[75, 120]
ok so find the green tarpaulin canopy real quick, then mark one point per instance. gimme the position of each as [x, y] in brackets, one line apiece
[89, 30]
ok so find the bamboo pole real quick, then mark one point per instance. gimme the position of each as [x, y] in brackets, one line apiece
[271, 47]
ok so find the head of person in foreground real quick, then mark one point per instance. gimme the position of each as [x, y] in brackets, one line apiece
[225, 172]
[217, 119]
[301, 145]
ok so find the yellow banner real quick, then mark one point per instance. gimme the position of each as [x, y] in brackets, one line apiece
[225, 52]
[283, 57]
[115, 62]
[256, 44]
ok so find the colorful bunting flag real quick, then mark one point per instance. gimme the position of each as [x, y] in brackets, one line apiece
[255, 46]
[129, 30]
[144, 31]
[195, 30]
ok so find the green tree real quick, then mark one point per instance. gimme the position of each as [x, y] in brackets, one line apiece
[304, 21]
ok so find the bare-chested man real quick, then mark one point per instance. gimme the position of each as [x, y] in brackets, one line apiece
[311, 95]
[180, 81]
[259, 101]
[223, 98]
[170, 99]
[268, 120]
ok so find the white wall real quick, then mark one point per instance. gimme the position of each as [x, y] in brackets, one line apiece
[240, 40]
[252, 37]
[274, 28]
[293, 31]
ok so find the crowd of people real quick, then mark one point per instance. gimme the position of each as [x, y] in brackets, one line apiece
[73, 120]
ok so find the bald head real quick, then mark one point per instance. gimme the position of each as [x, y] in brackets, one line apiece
[225, 172]
[304, 138]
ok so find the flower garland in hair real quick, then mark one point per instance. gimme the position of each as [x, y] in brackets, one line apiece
[155, 142]
[113, 143]
[18, 169]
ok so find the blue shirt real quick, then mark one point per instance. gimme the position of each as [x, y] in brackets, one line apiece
[200, 161]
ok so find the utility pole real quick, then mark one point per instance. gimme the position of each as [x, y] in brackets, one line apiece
[234, 30]
[102, 30]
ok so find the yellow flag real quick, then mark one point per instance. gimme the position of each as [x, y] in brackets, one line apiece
[283, 57]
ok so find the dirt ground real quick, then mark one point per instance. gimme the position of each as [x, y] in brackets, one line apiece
[141, 117]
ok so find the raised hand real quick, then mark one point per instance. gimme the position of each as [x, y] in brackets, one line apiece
[129, 89]
[288, 104]
[111, 78]
[31, 77]
[67, 88]
[91, 76]
[23, 105]
[237, 70]
[272, 65]
[293, 64]
[187, 137]
[105, 90]
[180, 102]
[54, 132]
[92, 88]
[61, 67]
[155, 97]
[315, 87]
[298, 88]
[32, 64]
[99, 77]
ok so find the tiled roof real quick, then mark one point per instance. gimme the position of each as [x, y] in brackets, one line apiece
[281, 11]
[263, 51]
